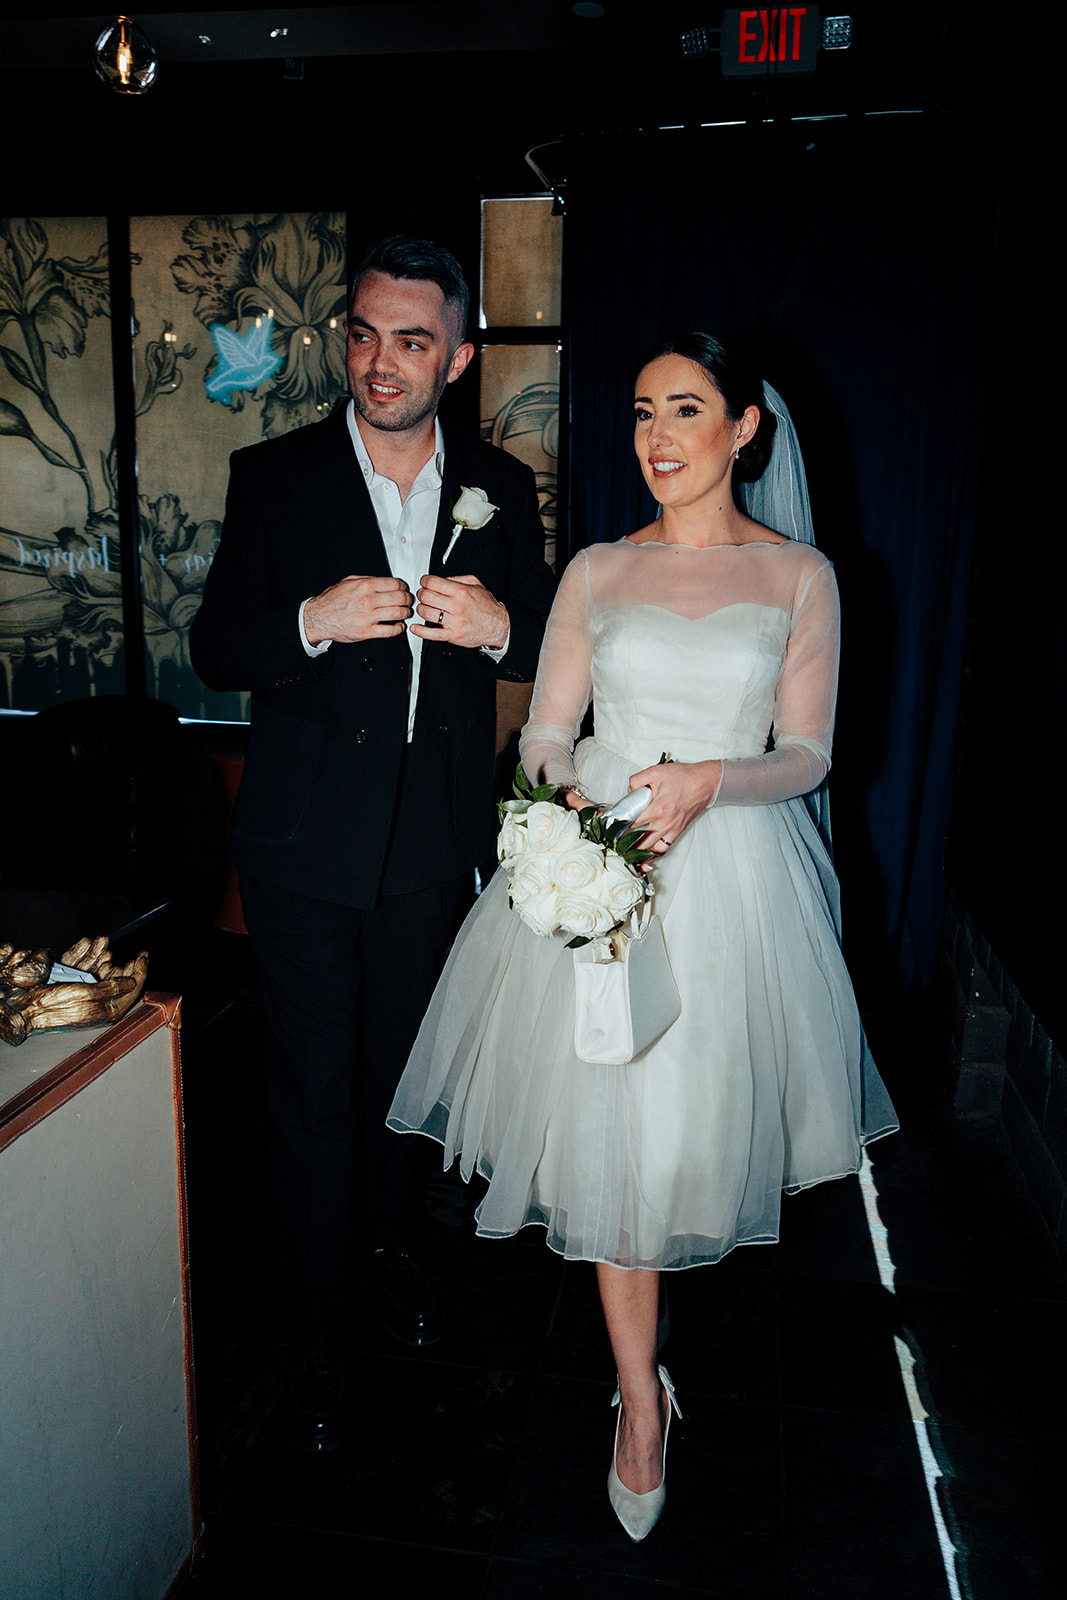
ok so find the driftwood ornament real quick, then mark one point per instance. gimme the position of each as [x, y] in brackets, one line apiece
[28, 1002]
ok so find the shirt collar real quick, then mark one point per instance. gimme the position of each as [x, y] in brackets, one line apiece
[437, 462]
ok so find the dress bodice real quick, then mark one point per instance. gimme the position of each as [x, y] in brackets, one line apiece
[728, 652]
[699, 687]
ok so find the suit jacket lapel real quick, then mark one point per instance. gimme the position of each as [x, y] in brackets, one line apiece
[457, 458]
[345, 519]
[346, 522]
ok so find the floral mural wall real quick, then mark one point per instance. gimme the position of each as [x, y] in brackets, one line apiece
[238, 337]
[60, 596]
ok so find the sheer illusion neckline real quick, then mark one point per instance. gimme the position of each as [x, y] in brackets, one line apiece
[675, 544]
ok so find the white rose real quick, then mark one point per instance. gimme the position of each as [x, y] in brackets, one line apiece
[621, 889]
[551, 827]
[540, 914]
[473, 509]
[534, 896]
[511, 841]
[578, 867]
[528, 877]
[584, 914]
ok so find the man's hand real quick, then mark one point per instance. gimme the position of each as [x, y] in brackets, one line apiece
[358, 608]
[460, 611]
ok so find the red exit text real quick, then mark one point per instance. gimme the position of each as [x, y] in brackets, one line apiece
[770, 39]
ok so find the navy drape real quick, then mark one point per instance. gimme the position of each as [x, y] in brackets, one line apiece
[851, 256]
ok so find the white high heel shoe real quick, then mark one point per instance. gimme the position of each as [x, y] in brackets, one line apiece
[639, 1513]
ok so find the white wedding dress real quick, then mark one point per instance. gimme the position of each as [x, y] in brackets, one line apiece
[765, 1082]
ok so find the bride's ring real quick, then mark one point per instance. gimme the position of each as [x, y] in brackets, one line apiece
[440, 618]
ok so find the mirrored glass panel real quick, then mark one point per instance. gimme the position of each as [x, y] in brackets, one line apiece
[522, 254]
[520, 412]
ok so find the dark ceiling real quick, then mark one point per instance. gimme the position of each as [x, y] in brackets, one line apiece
[926, 49]
[414, 94]
[219, 33]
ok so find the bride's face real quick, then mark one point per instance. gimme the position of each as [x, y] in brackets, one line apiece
[684, 440]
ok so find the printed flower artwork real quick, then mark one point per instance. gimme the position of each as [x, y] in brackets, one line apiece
[272, 289]
[60, 598]
[238, 337]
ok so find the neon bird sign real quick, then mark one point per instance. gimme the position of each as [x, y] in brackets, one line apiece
[245, 360]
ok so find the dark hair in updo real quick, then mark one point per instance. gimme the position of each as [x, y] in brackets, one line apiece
[739, 385]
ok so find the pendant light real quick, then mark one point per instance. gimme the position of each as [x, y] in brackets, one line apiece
[126, 58]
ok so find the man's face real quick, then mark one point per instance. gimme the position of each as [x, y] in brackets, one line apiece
[403, 347]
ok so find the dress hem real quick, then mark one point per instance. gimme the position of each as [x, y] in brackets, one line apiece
[594, 1260]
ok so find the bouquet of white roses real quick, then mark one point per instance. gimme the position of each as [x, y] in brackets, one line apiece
[568, 871]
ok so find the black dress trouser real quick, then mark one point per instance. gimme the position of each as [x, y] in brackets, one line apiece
[343, 994]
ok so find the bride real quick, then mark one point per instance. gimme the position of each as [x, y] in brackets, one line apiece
[714, 638]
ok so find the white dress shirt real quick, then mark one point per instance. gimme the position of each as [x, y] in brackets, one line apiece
[407, 531]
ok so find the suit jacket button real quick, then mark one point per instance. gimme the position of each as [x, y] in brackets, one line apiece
[447, 652]
[443, 728]
[361, 736]
[368, 663]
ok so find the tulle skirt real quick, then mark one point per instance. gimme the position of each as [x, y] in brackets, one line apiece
[764, 1084]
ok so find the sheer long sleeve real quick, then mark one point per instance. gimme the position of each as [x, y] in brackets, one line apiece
[563, 686]
[805, 703]
[728, 653]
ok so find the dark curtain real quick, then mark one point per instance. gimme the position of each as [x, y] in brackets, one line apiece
[851, 257]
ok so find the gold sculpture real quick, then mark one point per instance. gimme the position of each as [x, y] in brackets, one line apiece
[28, 1001]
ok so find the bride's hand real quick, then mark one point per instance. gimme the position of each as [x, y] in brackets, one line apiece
[681, 790]
[576, 800]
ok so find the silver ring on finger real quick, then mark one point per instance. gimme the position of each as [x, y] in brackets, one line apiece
[440, 618]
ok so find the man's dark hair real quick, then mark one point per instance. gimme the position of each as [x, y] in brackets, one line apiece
[420, 259]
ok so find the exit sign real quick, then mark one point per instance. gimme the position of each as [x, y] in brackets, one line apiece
[770, 40]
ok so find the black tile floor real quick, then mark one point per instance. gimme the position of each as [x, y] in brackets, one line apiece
[479, 1465]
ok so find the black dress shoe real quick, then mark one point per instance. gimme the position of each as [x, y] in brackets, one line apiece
[314, 1408]
[406, 1297]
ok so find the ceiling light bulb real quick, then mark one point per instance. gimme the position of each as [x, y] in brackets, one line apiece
[126, 58]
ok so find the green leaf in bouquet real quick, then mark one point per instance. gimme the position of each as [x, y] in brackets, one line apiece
[511, 808]
[523, 790]
[634, 858]
[520, 783]
[577, 942]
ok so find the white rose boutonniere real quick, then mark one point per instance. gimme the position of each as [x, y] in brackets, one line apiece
[472, 510]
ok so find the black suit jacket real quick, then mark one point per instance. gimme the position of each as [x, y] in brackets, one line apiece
[332, 793]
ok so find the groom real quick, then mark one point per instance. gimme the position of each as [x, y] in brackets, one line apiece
[370, 612]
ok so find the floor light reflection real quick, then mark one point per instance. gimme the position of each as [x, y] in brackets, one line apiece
[906, 1362]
